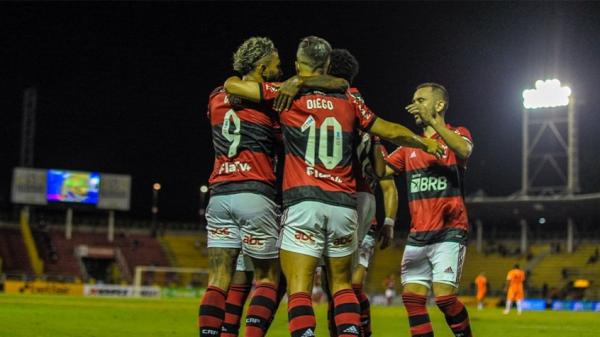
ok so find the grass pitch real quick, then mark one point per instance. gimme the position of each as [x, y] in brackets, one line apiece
[66, 316]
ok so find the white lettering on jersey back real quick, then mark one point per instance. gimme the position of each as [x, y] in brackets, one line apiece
[319, 103]
[313, 172]
[234, 167]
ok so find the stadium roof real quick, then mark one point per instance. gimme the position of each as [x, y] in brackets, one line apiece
[532, 206]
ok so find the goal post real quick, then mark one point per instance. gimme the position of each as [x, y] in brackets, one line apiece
[186, 275]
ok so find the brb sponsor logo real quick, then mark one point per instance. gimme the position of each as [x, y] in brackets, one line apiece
[343, 241]
[219, 233]
[305, 238]
[254, 243]
[427, 184]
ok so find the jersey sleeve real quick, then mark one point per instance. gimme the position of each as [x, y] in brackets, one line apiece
[396, 160]
[211, 96]
[268, 91]
[364, 115]
[465, 134]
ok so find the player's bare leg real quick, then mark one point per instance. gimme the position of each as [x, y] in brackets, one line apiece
[221, 264]
[359, 274]
[299, 271]
[508, 307]
[263, 303]
[236, 298]
[346, 308]
[454, 310]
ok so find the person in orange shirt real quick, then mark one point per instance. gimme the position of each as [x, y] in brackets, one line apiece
[514, 287]
[482, 284]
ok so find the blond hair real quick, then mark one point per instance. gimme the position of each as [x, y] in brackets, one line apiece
[250, 52]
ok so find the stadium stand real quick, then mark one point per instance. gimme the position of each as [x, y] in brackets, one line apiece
[559, 268]
[495, 265]
[13, 252]
[186, 250]
[59, 253]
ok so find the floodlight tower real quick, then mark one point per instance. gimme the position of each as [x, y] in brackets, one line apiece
[553, 148]
[28, 127]
[550, 164]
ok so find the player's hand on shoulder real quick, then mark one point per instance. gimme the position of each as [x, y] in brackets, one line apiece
[433, 147]
[287, 91]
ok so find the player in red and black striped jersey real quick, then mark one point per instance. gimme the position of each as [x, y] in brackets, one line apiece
[319, 186]
[344, 65]
[435, 248]
[242, 213]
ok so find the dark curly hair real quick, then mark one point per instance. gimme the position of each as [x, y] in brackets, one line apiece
[254, 49]
[343, 64]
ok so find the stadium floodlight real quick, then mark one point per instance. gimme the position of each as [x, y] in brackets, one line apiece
[547, 94]
[156, 186]
[203, 189]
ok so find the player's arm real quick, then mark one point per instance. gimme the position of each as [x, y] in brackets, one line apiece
[380, 167]
[390, 205]
[289, 89]
[457, 143]
[508, 279]
[403, 136]
[245, 89]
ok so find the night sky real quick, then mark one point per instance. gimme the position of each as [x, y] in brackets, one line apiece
[123, 87]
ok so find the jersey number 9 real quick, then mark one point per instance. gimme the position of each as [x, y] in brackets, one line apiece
[234, 137]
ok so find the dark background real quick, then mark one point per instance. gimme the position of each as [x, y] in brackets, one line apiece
[123, 87]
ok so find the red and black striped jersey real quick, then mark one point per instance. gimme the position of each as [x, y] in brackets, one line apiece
[244, 136]
[319, 138]
[435, 190]
[363, 168]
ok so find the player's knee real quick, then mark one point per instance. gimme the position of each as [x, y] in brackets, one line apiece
[340, 280]
[220, 280]
[242, 277]
[221, 262]
[299, 270]
[415, 288]
[358, 275]
[266, 270]
[443, 289]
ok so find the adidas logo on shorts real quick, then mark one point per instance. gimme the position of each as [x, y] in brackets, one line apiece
[351, 329]
[449, 270]
[308, 333]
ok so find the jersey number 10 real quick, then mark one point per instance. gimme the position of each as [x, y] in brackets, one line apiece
[330, 132]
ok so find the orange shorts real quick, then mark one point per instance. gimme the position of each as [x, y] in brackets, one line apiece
[481, 294]
[515, 294]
